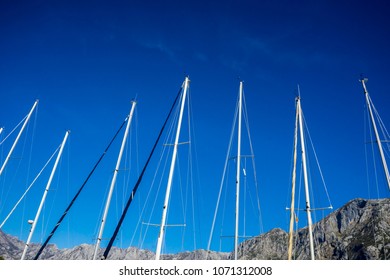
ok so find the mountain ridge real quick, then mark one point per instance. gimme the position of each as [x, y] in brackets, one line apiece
[358, 230]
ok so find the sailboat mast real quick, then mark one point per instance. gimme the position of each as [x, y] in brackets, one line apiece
[17, 137]
[238, 171]
[171, 171]
[35, 221]
[308, 209]
[103, 221]
[292, 207]
[378, 140]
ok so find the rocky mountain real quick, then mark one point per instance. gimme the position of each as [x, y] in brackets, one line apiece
[11, 249]
[358, 230]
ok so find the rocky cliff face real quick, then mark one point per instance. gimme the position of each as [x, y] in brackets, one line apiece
[11, 248]
[358, 230]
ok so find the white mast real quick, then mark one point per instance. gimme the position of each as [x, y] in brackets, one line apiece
[103, 222]
[35, 221]
[238, 171]
[17, 138]
[171, 171]
[378, 140]
[292, 207]
[308, 209]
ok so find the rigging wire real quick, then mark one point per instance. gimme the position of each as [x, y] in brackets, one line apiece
[366, 156]
[105, 254]
[374, 165]
[166, 148]
[300, 187]
[13, 130]
[106, 189]
[29, 187]
[131, 166]
[290, 186]
[137, 166]
[78, 192]
[385, 135]
[253, 165]
[373, 160]
[18, 137]
[196, 180]
[244, 216]
[69, 149]
[27, 126]
[318, 165]
[225, 193]
[151, 189]
[59, 176]
[182, 198]
[6, 192]
[311, 184]
[15, 173]
[126, 177]
[189, 206]
[32, 143]
[190, 170]
[223, 179]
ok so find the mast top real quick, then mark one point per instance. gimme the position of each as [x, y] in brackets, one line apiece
[362, 78]
[298, 97]
[363, 81]
[186, 81]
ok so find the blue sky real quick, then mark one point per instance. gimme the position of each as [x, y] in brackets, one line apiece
[85, 61]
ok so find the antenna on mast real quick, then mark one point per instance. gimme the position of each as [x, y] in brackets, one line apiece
[299, 91]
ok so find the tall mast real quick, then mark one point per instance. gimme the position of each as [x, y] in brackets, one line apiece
[35, 221]
[171, 171]
[292, 207]
[17, 137]
[378, 140]
[238, 171]
[308, 209]
[103, 221]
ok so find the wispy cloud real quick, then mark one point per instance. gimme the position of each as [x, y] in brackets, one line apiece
[201, 56]
[161, 47]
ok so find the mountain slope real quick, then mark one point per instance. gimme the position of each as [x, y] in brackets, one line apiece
[358, 230]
